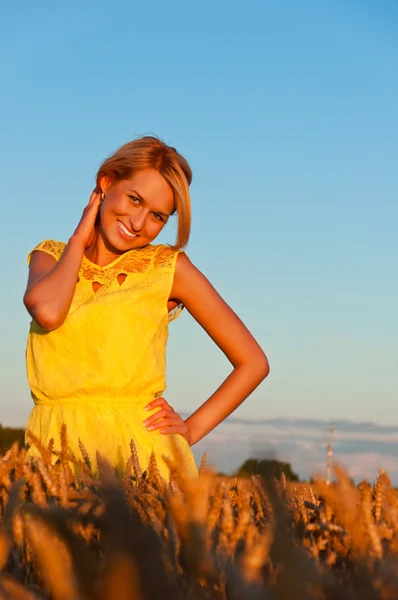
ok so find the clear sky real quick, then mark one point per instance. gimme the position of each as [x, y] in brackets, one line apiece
[288, 114]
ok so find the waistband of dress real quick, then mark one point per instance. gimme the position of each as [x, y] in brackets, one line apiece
[141, 400]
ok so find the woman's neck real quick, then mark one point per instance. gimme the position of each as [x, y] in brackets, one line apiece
[100, 252]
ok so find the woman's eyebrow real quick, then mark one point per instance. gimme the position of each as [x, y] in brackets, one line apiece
[145, 202]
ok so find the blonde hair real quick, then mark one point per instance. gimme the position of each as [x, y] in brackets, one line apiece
[149, 152]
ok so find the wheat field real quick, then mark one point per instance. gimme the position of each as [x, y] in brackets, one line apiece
[69, 534]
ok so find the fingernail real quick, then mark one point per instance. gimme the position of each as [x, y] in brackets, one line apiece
[150, 427]
[145, 422]
[148, 407]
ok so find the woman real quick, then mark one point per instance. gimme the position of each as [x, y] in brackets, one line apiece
[100, 306]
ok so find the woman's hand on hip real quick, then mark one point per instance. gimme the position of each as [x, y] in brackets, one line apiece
[166, 419]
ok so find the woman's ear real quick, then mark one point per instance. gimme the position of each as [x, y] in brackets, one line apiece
[105, 182]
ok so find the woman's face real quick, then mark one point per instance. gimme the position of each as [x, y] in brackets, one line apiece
[135, 210]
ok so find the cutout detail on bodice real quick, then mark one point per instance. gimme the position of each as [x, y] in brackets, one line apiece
[120, 278]
[151, 259]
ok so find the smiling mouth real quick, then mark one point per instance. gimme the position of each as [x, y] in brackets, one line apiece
[126, 231]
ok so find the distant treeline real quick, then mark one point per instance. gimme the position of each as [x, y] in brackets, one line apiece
[268, 468]
[9, 435]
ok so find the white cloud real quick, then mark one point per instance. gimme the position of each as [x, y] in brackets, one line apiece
[363, 448]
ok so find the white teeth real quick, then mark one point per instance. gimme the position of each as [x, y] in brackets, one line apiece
[126, 231]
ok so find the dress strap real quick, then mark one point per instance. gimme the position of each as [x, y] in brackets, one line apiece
[50, 247]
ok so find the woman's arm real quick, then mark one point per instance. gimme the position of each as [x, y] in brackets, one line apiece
[229, 333]
[52, 284]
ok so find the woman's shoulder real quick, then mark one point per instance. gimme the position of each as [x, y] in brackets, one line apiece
[53, 247]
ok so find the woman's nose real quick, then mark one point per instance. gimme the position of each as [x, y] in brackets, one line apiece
[137, 221]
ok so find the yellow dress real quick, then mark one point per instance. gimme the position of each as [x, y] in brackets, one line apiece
[99, 369]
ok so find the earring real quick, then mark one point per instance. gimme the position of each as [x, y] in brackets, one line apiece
[102, 196]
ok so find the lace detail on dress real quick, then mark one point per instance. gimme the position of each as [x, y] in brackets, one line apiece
[141, 260]
[164, 257]
[138, 261]
[51, 247]
[129, 264]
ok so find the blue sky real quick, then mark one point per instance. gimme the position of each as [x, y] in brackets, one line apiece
[287, 113]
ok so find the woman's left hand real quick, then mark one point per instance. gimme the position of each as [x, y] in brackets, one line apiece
[166, 419]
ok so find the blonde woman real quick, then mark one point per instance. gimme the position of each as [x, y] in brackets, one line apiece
[100, 307]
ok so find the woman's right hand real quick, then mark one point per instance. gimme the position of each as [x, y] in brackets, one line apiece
[85, 231]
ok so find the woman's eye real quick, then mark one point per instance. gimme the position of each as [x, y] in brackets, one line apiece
[158, 217]
[135, 200]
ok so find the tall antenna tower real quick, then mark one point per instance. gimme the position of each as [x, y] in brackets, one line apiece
[329, 454]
